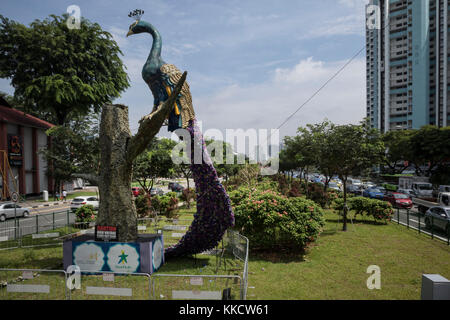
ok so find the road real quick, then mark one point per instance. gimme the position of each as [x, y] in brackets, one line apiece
[414, 219]
[40, 219]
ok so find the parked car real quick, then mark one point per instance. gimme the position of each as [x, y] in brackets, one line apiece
[368, 185]
[176, 187]
[334, 186]
[7, 211]
[442, 188]
[399, 200]
[83, 201]
[438, 217]
[354, 189]
[156, 192]
[373, 193]
[135, 191]
[408, 192]
[355, 182]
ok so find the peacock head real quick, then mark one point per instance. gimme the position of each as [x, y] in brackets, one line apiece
[136, 27]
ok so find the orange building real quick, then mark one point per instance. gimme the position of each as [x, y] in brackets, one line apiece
[22, 168]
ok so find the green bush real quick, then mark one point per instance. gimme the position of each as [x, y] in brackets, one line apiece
[378, 209]
[85, 214]
[143, 205]
[187, 195]
[273, 221]
[166, 205]
[317, 194]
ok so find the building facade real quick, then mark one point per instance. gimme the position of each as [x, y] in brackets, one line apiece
[22, 168]
[407, 64]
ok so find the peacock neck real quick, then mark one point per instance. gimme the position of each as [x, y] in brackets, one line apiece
[154, 61]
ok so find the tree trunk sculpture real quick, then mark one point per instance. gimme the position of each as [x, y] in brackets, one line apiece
[118, 149]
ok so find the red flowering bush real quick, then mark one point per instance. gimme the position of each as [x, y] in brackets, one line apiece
[85, 214]
[271, 220]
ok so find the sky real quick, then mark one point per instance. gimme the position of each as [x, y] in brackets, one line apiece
[251, 63]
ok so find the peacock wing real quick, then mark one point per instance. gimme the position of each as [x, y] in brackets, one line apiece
[172, 75]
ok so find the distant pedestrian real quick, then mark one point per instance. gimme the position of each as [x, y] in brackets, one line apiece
[64, 195]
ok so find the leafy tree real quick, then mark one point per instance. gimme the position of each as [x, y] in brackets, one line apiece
[74, 150]
[155, 162]
[58, 71]
[223, 168]
[430, 149]
[319, 150]
[398, 150]
[353, 148]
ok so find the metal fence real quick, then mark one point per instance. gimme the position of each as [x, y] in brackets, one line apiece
[196, 287]
[39, 230]
[231, 258]
[171, 229]
[33, 284]
[435, 227]
[113, 286]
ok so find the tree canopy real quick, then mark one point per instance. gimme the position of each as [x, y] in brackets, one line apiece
[64, 72]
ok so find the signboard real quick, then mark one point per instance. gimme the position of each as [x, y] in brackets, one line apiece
[106, 233]
[15, 153]
[103, 256]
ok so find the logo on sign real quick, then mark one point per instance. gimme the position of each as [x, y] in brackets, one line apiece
[89, 257]
[123, 258]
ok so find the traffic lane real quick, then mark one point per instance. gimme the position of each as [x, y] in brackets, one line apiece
[38, 223]
[414, 218]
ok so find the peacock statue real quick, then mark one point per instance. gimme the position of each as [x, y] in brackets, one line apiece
[214, 213]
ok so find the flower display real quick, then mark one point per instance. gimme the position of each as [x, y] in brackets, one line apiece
[214, 212]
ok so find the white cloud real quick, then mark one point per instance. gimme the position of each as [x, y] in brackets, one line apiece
[270, 103]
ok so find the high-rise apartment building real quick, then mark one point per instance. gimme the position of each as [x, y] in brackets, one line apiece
[407, 64]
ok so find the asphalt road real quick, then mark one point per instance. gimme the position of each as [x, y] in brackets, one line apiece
[414, 219]
[39, 220]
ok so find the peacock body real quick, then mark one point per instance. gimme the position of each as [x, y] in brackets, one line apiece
[214, 213]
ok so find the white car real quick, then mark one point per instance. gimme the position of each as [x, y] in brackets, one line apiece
[83, 201]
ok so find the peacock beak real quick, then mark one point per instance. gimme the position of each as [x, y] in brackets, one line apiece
[130, 33]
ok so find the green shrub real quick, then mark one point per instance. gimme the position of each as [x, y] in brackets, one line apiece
[317, 194]
[85, 213]
[378, 209]
[143, 205]
[187, 196]
[273, 221]
[166, 205]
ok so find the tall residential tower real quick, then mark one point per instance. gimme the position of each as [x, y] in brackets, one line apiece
[407, 64]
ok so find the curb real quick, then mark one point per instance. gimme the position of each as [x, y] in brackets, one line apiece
[49, 204]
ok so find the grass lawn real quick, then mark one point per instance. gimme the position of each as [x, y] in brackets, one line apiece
[335, 266]
[332, 268]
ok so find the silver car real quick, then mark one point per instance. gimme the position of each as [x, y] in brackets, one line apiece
[7, 211]
[438, 217]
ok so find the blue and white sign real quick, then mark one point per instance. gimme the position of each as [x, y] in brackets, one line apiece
[123, 258]
[144, 256]
[88, 256]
